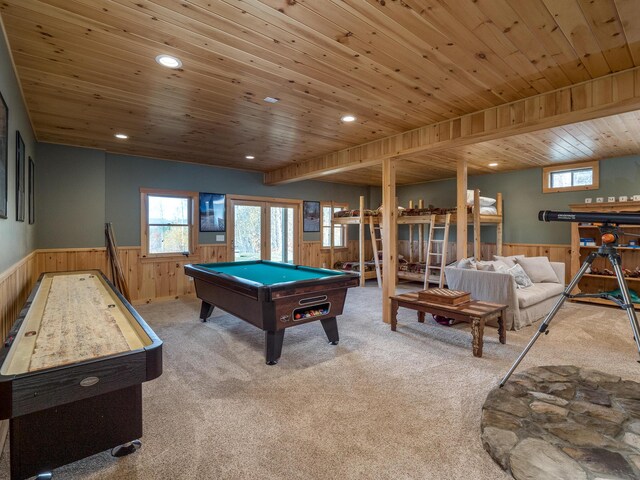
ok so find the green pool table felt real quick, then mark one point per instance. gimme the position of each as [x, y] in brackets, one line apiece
[269, 273]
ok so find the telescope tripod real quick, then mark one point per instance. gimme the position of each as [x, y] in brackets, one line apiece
[608, 249]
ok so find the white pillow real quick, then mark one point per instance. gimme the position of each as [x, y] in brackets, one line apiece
[484, 201]
[520, 276]
[508, 261]
[500, 267]
[538, 269]
[489, 265]
[467, 264]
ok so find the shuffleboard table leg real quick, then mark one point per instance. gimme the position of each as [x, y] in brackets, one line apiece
[273, 346]
[205, 311]
[330, 326]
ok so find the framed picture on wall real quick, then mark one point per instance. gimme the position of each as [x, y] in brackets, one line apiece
[4, 154]
[20, 178]
[32, 191]
[311, 216]
[212, 212]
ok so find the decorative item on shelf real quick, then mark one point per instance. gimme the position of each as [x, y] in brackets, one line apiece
[611, 199]
[599, 199]
[587, 200]
[636, 198]
[632, 294]
[622, 198]
[588, 242]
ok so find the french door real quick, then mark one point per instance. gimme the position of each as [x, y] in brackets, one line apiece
[264, 229]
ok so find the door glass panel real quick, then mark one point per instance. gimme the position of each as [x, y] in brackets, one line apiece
[282, 238]
[247, 232]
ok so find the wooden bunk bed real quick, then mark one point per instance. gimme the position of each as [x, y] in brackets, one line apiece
[364, 217]
[362, 220]
[474, 218]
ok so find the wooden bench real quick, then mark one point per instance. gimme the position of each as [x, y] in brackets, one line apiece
[475, 312]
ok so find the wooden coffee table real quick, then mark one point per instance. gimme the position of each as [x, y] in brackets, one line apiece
[475, 312]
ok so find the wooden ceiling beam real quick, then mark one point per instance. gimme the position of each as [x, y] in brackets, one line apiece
[604, 96]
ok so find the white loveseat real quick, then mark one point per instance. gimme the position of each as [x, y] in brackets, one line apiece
[525, 305]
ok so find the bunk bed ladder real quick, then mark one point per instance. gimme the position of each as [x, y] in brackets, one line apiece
[434, 270]
[375, 232]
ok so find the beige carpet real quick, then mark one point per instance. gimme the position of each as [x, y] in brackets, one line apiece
[380, 405]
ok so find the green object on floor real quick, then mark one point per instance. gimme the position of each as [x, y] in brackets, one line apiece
[632, 294]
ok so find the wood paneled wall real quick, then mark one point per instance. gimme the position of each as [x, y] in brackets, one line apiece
[15, 285]
[315, 256]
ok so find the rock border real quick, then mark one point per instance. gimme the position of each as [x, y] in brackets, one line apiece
[561, 422]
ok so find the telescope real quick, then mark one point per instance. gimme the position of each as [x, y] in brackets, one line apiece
[590, 217]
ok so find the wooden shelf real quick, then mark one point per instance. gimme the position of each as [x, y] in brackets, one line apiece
[591, 283]
[592, 275]
[601, 301]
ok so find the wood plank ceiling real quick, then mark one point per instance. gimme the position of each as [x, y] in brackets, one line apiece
[87, 70]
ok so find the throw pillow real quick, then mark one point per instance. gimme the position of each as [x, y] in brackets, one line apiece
[538, 269]
[467, 264]
[489, 266]
[509, 261]
[520, 276]
[500, 267]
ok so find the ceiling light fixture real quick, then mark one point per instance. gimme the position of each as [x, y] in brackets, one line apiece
[249, 157]
[271, 100]
[121, 136]
[494, 164]
[348, 118]
[168, 61]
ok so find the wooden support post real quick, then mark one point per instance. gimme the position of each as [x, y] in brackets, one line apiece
[362, 255]
[477, 253]
[420, 235]
[411, 236]
[332, 259]
[461, 210]
[390, 236]
[499, 227]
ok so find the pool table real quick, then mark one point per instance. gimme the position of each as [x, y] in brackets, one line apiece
[273, 296]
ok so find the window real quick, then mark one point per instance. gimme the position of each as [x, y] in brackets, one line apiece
[168, 223]
[577, 176]
[339, 231]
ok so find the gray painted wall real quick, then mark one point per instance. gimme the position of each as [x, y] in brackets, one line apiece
[17, 239]
[523, 198]
[71, 197]
[86, 188]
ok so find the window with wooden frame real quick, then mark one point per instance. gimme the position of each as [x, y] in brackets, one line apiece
[339, 231]
[168, 224]
[571, 177]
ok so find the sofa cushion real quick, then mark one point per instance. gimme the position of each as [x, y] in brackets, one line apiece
[537, 293]
[510, 261]
[521, 277]
[538, 269]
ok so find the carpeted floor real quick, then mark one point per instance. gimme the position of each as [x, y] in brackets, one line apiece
[380, 405]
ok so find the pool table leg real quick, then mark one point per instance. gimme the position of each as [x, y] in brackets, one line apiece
[330, 326]
[205, 311]
[273, 346]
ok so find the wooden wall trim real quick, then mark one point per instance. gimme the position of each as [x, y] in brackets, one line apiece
[608, 95]
[12, 269]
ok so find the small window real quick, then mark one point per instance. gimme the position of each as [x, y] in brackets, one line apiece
[168, 223]
[339, 231]
[562, 178]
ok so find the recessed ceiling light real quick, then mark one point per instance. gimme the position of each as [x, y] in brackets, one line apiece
[494, 164]
[348, 118]
[249, 157]
[121, 136]
[271, 99]
[168, 61]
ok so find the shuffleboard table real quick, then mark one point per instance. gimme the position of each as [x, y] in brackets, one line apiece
[273, 296]
[71, 373]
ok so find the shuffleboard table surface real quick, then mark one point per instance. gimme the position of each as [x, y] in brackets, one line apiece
[74, 318]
